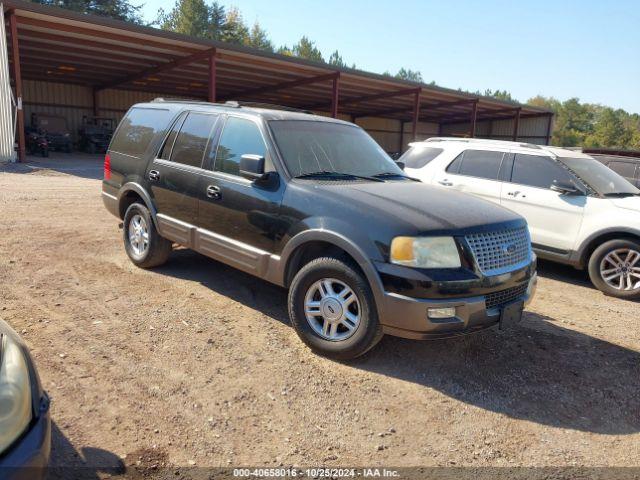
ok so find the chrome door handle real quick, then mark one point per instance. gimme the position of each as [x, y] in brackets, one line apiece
[213, 191]
[154, 175]
[446, 183]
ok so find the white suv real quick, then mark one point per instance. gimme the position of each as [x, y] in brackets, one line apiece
[579, 211]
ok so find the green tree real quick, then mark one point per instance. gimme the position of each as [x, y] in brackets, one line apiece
[189, 17]
[609, 130]
[408, 74]
[118, 9]
[336, 60]
[258, 38]
[234, 30]
[305, 48]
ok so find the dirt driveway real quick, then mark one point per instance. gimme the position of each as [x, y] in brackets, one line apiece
[195, 363]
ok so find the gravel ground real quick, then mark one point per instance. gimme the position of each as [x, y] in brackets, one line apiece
[195, 364]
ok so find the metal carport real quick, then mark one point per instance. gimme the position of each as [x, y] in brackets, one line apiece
[78, 64]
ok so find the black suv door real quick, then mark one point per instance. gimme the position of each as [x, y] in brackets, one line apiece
[239, 216]
[174, 174]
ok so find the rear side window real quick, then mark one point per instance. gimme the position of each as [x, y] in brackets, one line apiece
[418, 157]
[239, 137]
[137, 130]
[537, 171]
[193, 138]
[624, 169]
[477, 163]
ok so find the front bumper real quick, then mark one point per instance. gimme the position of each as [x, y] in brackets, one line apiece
[28, 458]
[406, 316]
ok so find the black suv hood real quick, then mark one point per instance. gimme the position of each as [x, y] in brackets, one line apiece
[424, 207]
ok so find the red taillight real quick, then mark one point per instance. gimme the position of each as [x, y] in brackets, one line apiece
[107, 167]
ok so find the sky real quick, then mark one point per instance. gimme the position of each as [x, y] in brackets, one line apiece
[587, 49]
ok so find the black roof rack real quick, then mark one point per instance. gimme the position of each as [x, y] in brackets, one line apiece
[270, 106]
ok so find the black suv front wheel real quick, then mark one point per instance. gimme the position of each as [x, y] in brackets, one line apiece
[142, 242]
[331, 306]
[614, 268]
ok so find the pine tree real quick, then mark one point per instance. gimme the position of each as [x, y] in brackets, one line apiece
[235, 30]
[336, 60]
[259, 39]
[118, 9]
[305, 48]
[408, 74]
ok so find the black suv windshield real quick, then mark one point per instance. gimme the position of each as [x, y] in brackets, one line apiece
[599, 177]
[309, 147]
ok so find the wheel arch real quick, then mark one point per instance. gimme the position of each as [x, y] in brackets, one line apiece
[598, 238]
[311, 244]
[132, 192]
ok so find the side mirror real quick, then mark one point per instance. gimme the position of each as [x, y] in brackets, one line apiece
[251, 166]
[566, 188]
[400, 165]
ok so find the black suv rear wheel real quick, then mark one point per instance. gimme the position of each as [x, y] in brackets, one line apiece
[142, 242]
[614, 268]
[331, 306]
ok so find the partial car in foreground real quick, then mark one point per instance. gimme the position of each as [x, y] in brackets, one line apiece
[579, 211]
[25, 422]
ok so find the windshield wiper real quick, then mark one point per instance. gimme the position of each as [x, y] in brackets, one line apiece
[329, 174]
[621, 194]
[394, 174]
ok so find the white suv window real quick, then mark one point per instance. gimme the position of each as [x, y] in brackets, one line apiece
[477, 163]
[538, 171]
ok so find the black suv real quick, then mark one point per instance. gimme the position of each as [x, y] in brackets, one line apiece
[315, 205]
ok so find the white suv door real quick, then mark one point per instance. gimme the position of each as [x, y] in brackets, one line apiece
[474, 171]
[554, 218]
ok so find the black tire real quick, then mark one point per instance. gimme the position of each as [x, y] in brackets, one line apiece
[596, 260]
[367, 333]
[158, 248]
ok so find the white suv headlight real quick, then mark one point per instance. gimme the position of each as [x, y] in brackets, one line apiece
[15, 392]
[425, 252]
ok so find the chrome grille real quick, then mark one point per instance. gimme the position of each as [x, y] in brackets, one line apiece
[498, 299]
[500, 251]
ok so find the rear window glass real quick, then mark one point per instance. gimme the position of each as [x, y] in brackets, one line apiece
[137, 130]
[418, 157]
[626, 169]
[193, 138]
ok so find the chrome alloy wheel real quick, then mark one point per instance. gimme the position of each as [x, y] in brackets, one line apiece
[620, 269]
[138, 235]
[332, 309]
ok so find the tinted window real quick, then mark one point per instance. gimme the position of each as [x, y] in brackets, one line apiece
[537, 171]
[626, 169]
[481, 163]
[239, 137]
[418, 157]
[137, 130]
[454, 167]
[165, 152]
[192, 140]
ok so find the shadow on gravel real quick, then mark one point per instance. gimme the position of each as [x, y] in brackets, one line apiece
[539, 372]
[564, 273]
[88, 464]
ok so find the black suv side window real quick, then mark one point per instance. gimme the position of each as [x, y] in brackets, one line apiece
[165, 151]
[538, 171]
[193, 138]
[137, 130]
[478, 163]
[239, 137]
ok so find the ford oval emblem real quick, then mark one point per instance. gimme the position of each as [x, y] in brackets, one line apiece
[509, 248]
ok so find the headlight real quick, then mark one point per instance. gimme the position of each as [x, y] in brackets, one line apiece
[15, 393]
[425, 252]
